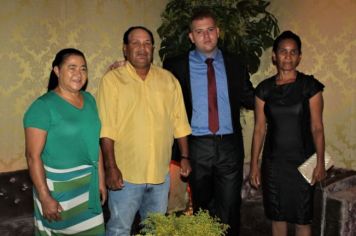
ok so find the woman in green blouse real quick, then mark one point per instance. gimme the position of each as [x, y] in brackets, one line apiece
[62, 130]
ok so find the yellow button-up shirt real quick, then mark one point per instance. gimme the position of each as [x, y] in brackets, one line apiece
[142, 117]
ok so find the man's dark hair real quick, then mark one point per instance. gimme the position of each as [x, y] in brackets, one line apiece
[201, 13]
[127, 33]
[287, 35]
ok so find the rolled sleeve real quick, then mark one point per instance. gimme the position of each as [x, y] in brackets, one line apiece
[107, 106]
[181, 124]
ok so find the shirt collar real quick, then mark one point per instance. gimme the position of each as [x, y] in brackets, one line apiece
[133, 72]
[215, 55]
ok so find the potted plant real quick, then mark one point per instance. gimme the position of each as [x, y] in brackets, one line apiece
[246, 27]
[199, 224]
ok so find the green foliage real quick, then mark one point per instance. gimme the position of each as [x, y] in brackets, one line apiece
[246, 27]
[200, 224]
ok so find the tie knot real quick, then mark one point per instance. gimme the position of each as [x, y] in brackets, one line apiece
[209, 61]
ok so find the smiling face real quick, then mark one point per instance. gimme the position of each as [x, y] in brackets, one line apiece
[287, 55]
[139, 50]
[204, 34]
[72, 73]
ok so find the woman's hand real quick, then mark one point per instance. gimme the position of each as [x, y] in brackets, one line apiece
[319, 174]
[316, 105]
[257, 142]
[255, 176]
[185, 167]
[102, 186]
[51, 209]
[35, 141]
[103, 192]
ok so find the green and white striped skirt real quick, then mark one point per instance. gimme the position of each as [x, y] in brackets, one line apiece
[71, 188]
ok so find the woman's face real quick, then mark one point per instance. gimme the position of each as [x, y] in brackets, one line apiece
[72, 74]
[287, 57]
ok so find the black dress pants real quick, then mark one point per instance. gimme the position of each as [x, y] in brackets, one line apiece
[216, 178]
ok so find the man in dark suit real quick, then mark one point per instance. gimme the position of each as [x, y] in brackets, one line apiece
[213, 91]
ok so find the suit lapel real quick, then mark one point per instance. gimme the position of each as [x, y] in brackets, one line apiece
[186, 76]
[230, 76]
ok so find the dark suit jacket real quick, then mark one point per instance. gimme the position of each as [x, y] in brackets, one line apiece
[240, 89]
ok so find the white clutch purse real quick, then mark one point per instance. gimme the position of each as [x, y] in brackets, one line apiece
[307, 168]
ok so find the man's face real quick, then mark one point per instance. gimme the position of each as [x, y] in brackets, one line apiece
[139, 49]
[204, 34]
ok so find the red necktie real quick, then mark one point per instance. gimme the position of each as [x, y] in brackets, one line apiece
[212, 98]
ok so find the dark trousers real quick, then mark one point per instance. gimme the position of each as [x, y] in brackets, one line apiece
[216, 178]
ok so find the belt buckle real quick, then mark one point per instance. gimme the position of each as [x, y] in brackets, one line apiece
[219, 136]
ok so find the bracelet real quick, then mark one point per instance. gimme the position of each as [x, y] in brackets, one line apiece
[185, 157]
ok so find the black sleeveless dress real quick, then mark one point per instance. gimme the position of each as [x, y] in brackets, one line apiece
[288, 143]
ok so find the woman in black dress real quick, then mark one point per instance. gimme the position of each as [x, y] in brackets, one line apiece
[288, 120]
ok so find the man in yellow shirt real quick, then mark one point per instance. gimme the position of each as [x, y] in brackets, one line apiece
[141, 109]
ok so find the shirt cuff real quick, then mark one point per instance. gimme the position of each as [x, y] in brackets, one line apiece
[179, 133]
[108, 132]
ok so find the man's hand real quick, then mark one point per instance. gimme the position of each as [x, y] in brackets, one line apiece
[113, 178]
[116, 64]
[185, 167]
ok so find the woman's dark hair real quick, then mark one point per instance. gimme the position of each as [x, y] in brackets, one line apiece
[287, 35]
[61, 56]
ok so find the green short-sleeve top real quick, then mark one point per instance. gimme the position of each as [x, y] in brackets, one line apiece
[72, 133]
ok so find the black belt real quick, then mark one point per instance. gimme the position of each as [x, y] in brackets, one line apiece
[213, 136]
